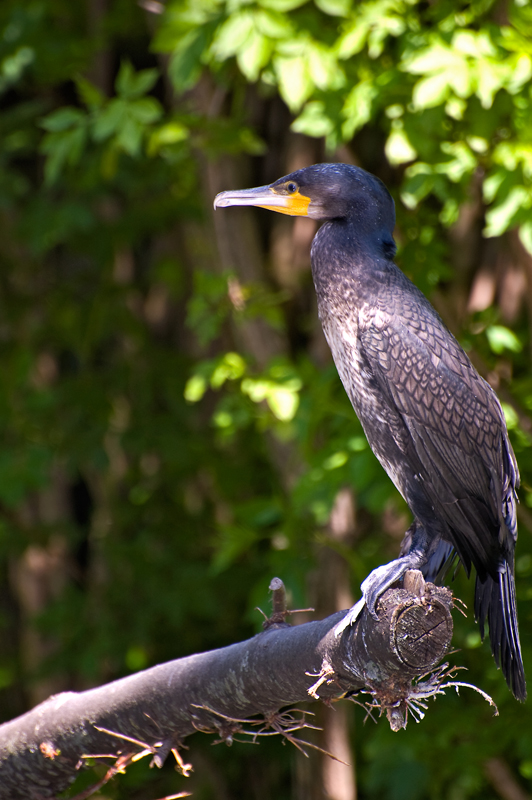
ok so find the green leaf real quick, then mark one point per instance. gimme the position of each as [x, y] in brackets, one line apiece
[313, 120]
[195, 388]
[501, 338]
[491, 185]
[463, 161]
[171, 133]
[510, 415]
[352, 39]
[420, 183]
[273, 24]
[398, 148]
[511, 155]
[231, 367]
[525, 768]
[436, 58]
[254, 55]
[283, 403]
[378, 34]
[525, 234]
[520, 73]
[110, 119]
[477, 44]
[336, 8]
[491, 77]
[324, 69]
[145, 110]
[232, 35]
[186, 60]
[130, 84]
[13, 66]
[63, 118]
[281, 5]
[336, 460]
[129, 137]
[501, 217]
[89, 93]
[431, 91]
[256, 389]
[63, 147]
[358, 107]
[295, 84]
[125, 78]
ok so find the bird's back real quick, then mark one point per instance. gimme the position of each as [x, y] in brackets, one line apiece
[434, 423]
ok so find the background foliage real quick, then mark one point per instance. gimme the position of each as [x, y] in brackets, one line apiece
[173, 432]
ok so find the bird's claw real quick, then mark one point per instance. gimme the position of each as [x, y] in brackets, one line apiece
[372, 588]
[351, 617]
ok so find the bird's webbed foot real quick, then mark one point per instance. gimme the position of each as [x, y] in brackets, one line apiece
[377, 583]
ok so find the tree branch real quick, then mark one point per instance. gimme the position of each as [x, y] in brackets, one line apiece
[155, 710]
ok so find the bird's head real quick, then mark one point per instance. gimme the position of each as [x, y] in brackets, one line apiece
[323, 192]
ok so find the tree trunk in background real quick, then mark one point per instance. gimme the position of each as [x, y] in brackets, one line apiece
[333, 589]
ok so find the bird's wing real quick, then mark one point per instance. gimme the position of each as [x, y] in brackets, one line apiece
[455, 424]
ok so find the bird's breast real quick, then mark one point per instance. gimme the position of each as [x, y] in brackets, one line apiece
[341, 329]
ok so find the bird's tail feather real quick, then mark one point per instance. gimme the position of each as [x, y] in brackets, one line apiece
[495, 602]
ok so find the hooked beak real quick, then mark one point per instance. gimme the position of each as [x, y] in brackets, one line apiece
[294, 204]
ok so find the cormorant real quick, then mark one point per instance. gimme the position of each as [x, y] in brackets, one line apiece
[434, 424]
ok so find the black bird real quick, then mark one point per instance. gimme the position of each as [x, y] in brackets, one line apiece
[434, 424]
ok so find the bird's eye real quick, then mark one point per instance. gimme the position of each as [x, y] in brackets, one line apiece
[291, 187]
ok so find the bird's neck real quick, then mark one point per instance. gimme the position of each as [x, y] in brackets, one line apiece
[343, 251]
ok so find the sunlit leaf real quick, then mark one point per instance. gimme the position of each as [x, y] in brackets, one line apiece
[283, 403]
[462, 160]
[353, 39]
[324, 69]
[232, 35]
[358, 107]
[336, 461]
[336, 8]
[168, 134]
[295, 84]
[525, 234]
[436, 58]
[501, 338]
[520, 72]
[491, 185]
[195, 388]
[491, 78]
[398, 148]
[254, 55]
[231, 367]
[499, 218]
[273, 24]
[313, 120]
[510, 415]
[431, 91]
[282, 5]
[473, 43]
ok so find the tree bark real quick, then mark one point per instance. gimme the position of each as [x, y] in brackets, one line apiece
[218, 691]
